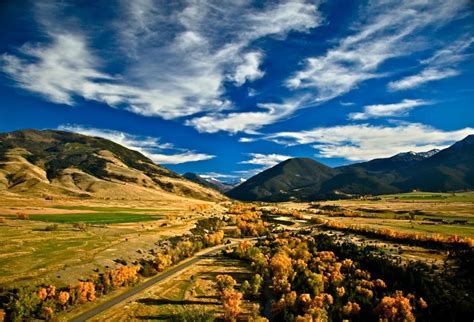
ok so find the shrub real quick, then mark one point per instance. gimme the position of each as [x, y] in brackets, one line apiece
[80, 225]
[224, 282]
[191, 315]
[22, 216]
[52, 227]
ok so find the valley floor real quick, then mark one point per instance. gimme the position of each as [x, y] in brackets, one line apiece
[59, 242]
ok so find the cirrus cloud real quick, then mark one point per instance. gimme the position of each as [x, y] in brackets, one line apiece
[358, 142]
[266, 160]
[386, 110]
[148, 146]
[199, 44]
[439, 66]
[384, 34]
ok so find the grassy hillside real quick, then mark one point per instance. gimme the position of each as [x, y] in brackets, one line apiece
[304, 179]
[294, 177]
[58, 163]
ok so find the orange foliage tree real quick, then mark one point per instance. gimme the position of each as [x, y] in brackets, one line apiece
[231, 301]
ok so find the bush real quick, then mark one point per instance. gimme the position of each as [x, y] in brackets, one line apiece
[22, 216]
[80, 225]
[147, 269]
[52, 227]
[191, 315]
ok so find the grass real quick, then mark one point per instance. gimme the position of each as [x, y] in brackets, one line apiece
[419, 217]
[95, 218]
[27, 253]
[466, 230]
[104, 209]
[433, 196]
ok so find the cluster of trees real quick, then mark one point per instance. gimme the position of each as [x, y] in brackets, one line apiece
[43, 302]
[214, 238]
[230, 298]
[398, 307]
[174, 253]
[312, 284]
[206, 225]
[421, 239]
[250, 223]
[286, 212]
[240, 208]
[448, 291]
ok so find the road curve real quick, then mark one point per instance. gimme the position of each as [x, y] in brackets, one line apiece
[141, 287]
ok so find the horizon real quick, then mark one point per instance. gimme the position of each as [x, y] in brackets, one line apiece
[227, 91]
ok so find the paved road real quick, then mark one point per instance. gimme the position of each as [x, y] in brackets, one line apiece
[141, 287]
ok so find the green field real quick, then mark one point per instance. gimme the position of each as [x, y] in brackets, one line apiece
[96, 218]
[435, 196]
[104, 209]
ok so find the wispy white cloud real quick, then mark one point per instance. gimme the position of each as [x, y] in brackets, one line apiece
[246, 140]
[64, 69]
[249, 69]
[346, 103]
[247, 122]
[359, 142]
[178, 158]
[263, 161]
[176, 58]
[386, 110]
[266, 160]
[439, 66]
[149, 146]
[218, 176]
[385, 33]
[425, 76]
[250, 173]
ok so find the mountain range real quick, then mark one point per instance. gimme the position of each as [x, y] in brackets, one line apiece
[451, 169]
[55, 164]
[210, 182]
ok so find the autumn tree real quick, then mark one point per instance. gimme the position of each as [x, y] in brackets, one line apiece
[281, 267]
[22, 304]
[85, 291]
[395, 308]
[214, 239]
[231, 301]
[162, 261]
[224, 282]
[63, 298]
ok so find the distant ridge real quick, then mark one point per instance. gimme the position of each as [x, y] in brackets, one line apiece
[53, 163]
[208, 182]
[298, 176]
[304, 179]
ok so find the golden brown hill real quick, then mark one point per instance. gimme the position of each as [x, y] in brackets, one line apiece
[64, 164]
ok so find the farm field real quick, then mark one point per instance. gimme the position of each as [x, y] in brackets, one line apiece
[61, 243]
[424, 213]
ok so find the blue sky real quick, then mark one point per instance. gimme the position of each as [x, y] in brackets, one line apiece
[228, 88]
